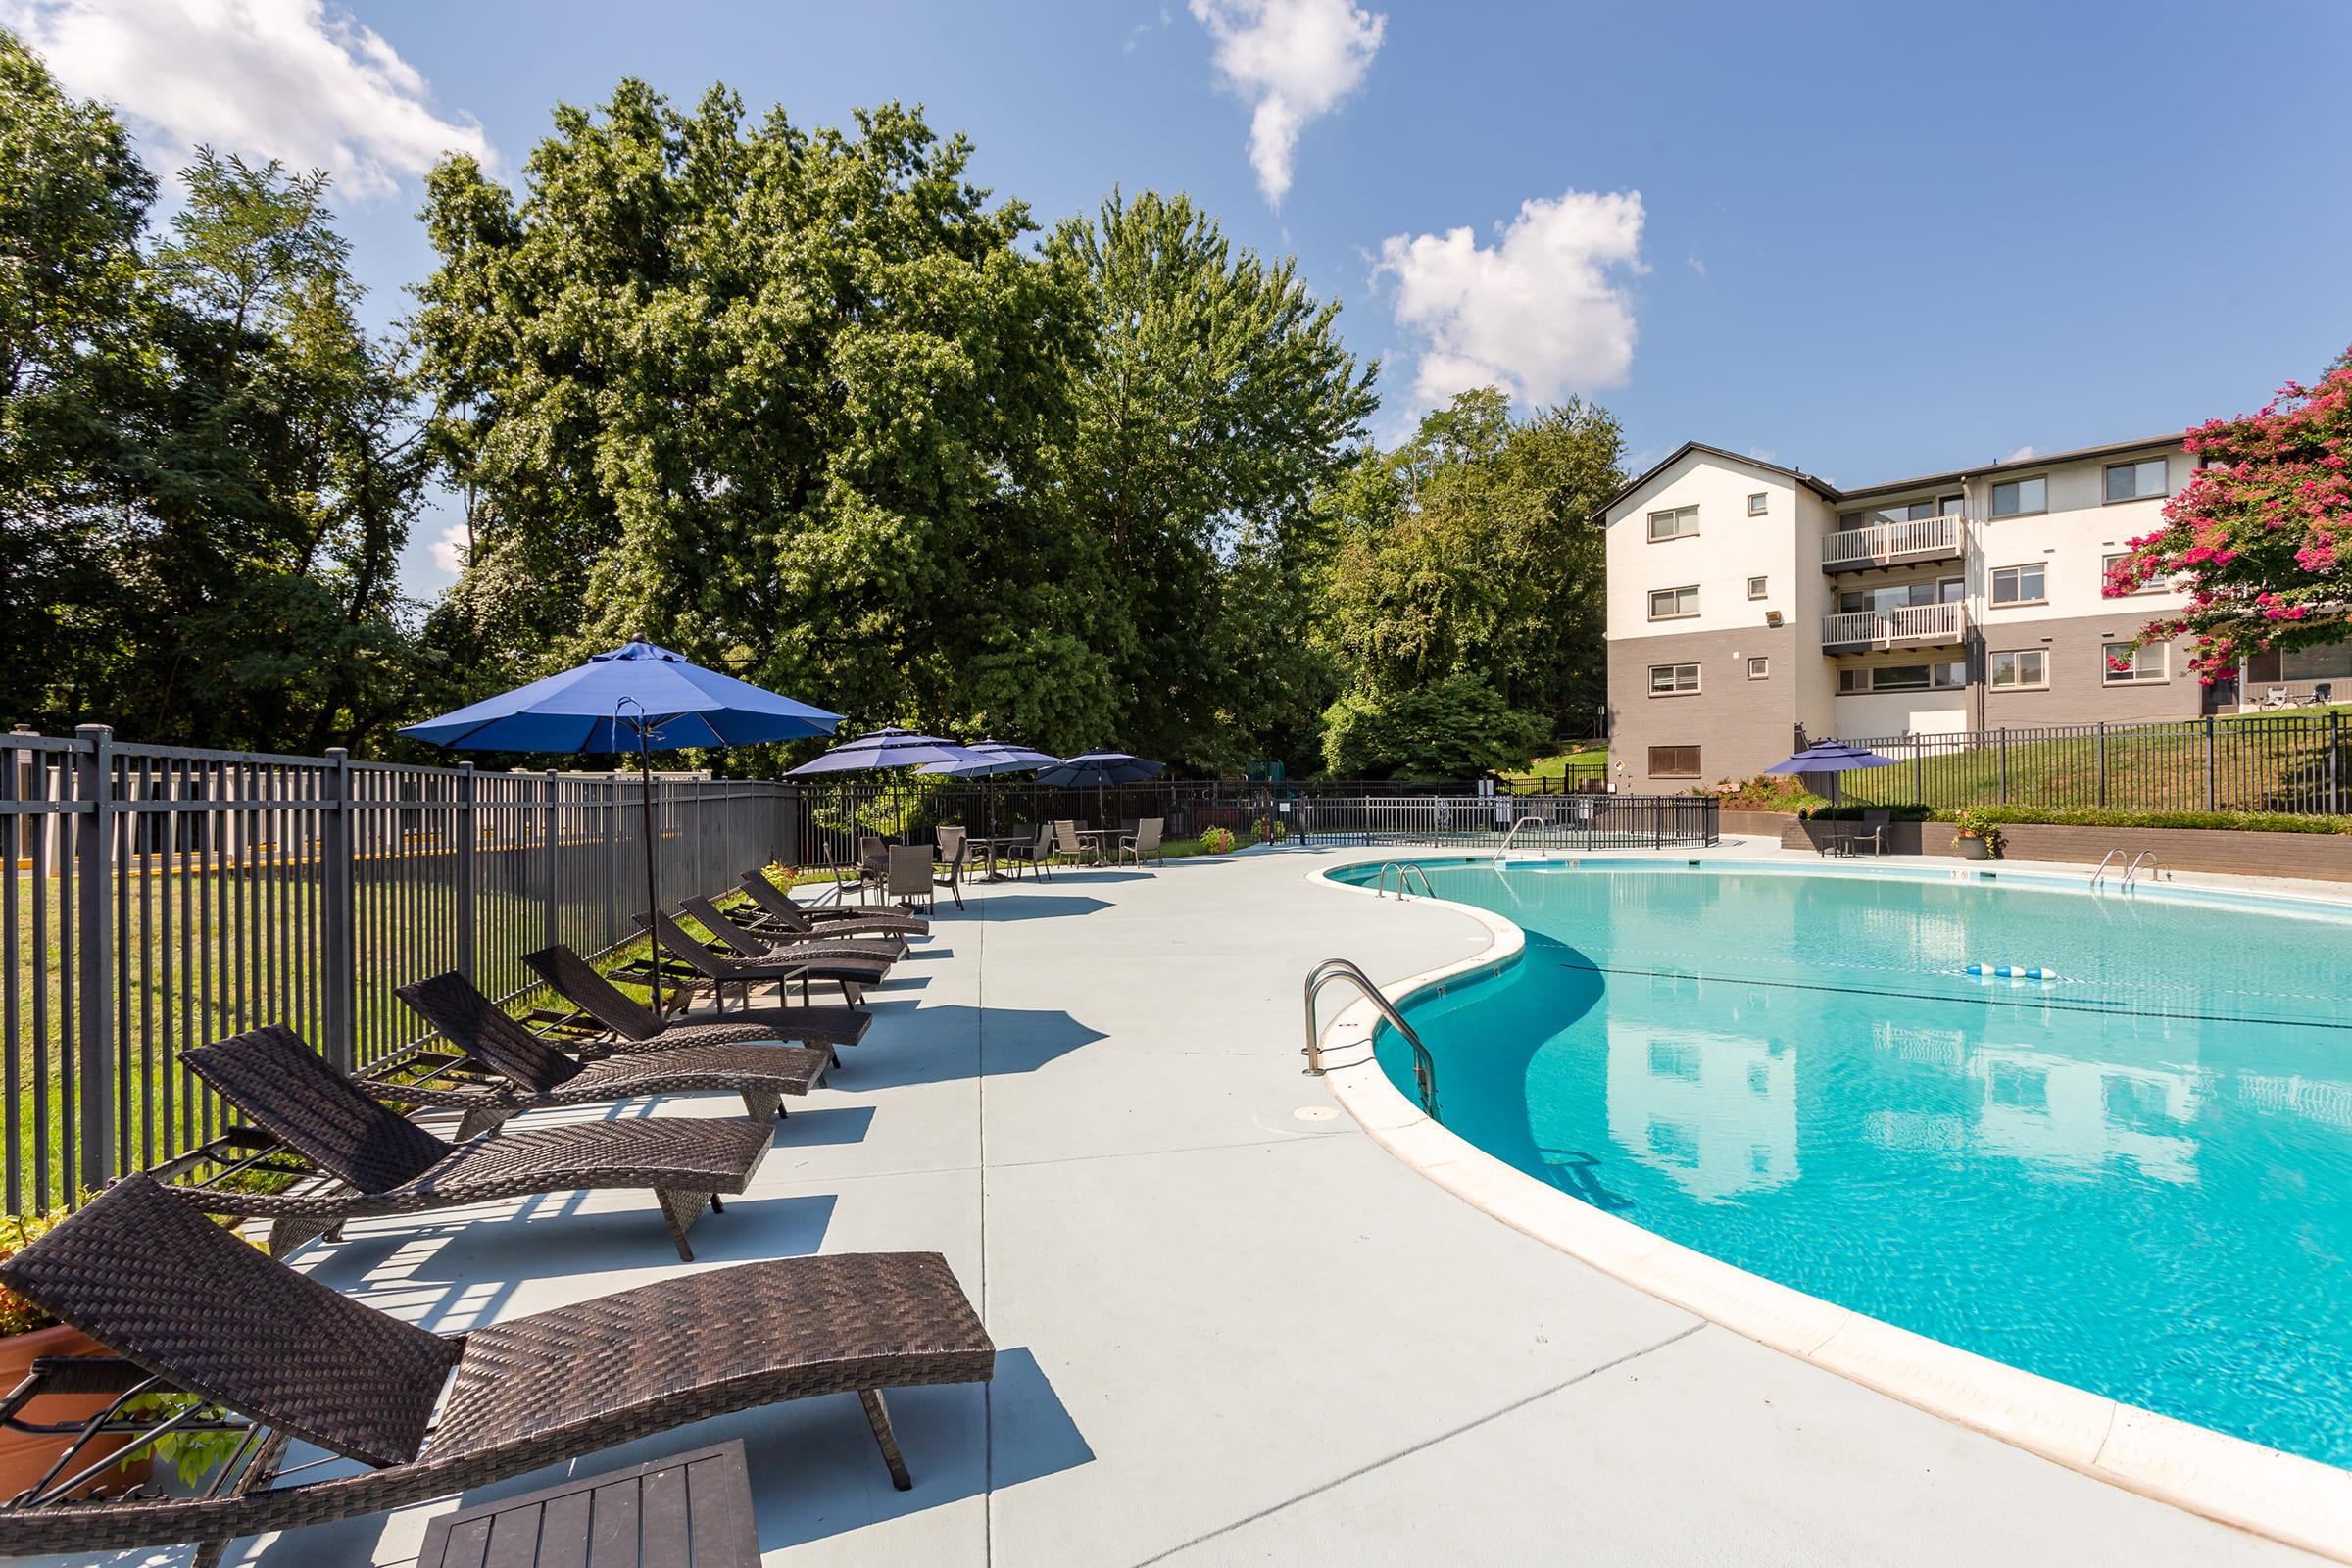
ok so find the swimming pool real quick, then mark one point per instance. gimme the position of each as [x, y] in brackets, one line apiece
[2135, 1179]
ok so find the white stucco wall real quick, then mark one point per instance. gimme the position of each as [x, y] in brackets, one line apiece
[1729, 548]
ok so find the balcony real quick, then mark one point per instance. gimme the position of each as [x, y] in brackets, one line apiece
[1909, 626]
[1892, 544]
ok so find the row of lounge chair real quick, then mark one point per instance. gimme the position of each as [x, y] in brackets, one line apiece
[272, 1355]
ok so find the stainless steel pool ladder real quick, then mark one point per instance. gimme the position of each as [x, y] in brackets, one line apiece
[2109, 859]
[1425, 1066]
[1525, 822]
[2155, 867]
[1402, 871]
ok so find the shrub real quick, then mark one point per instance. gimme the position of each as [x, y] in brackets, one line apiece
[1217, 841]
[2096, 817]
[19, 1315]
[1766, 792]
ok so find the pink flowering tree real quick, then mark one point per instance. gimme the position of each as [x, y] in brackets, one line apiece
[2261, 537]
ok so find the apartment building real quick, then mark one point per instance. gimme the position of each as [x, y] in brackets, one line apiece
[1746, 599]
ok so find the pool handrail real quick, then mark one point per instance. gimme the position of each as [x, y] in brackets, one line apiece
[2155, 867]
[1425, 1066]
[1525, 822]
[2106, 860]
[1402, 871]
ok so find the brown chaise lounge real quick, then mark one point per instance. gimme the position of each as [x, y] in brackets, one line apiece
[383, 1163]
[623, 1025]
[535, 1074]
[788, 913]
[184, 1305]
[885, 951]
[853, 975]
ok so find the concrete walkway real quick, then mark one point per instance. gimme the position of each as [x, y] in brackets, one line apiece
[1232, 1329]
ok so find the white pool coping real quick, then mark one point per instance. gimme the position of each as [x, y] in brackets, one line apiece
[2268, 1493]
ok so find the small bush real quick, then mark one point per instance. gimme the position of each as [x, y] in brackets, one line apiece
[2094, 816]
[1217, 841]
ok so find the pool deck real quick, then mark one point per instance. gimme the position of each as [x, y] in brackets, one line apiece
[1228, 1334]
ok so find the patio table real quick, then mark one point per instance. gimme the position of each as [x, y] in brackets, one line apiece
[990, 844]
[688, 1508]
[1104, 839]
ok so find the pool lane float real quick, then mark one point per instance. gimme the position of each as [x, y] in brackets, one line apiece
[2011, 971]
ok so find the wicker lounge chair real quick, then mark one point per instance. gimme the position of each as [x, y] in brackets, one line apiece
[623, 1025]
[533, 1073]
[785, 913]
[184, 1305]
[852, 975]
[885, 951]
[383, 1163]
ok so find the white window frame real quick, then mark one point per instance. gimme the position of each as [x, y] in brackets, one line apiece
[1992, 585]
[1757, 502]
[1866, 678]
[1674, 517]
[1759, 669]
[2041, 683]
[1759, 587]
[1993, 498]
[1675, 686]
[2163, 480]
[2158, 584]
[2109, 675]
[1675, 614]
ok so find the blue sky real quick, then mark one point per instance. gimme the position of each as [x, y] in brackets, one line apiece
[1868, 240]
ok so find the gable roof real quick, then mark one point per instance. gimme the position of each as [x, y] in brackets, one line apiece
[1829, 492]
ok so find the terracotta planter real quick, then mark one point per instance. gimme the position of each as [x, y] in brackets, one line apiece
[25, 1457]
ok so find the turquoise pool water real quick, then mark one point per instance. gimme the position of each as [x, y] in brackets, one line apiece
[2136, 1180]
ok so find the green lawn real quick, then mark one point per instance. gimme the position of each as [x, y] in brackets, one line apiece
[1586, 761]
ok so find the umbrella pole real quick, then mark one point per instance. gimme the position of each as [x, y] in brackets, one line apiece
[652, 885]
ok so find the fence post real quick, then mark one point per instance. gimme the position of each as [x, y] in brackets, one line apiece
[94, 955]
[554, 863]
[338, 959]
[466, 833]
[611, 877]
[2004, 739]
[2212, 787]
[2334, 752]
[2102, 761]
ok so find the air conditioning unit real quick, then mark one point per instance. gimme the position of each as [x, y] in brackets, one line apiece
[1772, 617]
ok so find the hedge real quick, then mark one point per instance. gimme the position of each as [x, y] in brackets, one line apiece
[2096, 817]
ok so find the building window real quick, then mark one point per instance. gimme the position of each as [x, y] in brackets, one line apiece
[2157, 582]
[2021, 585]
[1757, 586]
[2126, 665]
[1673, 604]
[2020, 498]
[1674, 761]
[1670, 680]
[2328, 662]
[1759, 669]
[1680, 523]
[2026, 670]
[2136, 481]
[1757, 502]
[1944, 675]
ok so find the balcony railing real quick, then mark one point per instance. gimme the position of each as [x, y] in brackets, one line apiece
[1919, 539]
[1911, 624]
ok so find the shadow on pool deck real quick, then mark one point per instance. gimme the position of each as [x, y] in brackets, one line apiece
[958, 1040]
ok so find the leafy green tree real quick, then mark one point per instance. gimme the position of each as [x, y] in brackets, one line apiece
[779, 399]
[1453, 728]
[1216, 401]
[1466, 554]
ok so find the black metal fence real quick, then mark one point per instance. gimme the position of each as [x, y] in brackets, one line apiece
[2295, 764]
[159, 897]
[1493, 821]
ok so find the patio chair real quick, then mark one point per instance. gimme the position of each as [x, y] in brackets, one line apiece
[626, 1025]
[2276, 697]
[1068, 844]
[950, 840]
[785, 913]
[2323, 693]
[873, 864]
[1872, 832]
[853, 975]
[951, 875]
[529, 1073]
[183, 1306]
[380, 1163]
[911, 876]
[885, 951]
[1144, 841]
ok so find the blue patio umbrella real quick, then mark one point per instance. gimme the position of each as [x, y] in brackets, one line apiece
[1832, 756]
[1100, 769]
[986, 760]
[884, 749]
[637, 696]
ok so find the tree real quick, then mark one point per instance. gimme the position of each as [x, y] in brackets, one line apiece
[2261, 536]
[1213, 403]
[1467, 557]
[782, 400]
[1454, 728]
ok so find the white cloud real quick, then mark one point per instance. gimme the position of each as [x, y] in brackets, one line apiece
[1697, 266]
[1291, 61]
[450, 547]
[1764, 453]
[1545, 311]
[267, 78]
[2019, 454]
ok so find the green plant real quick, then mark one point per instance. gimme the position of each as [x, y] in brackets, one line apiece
[1217, 841]
[1976, 824]
[17, 1313]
